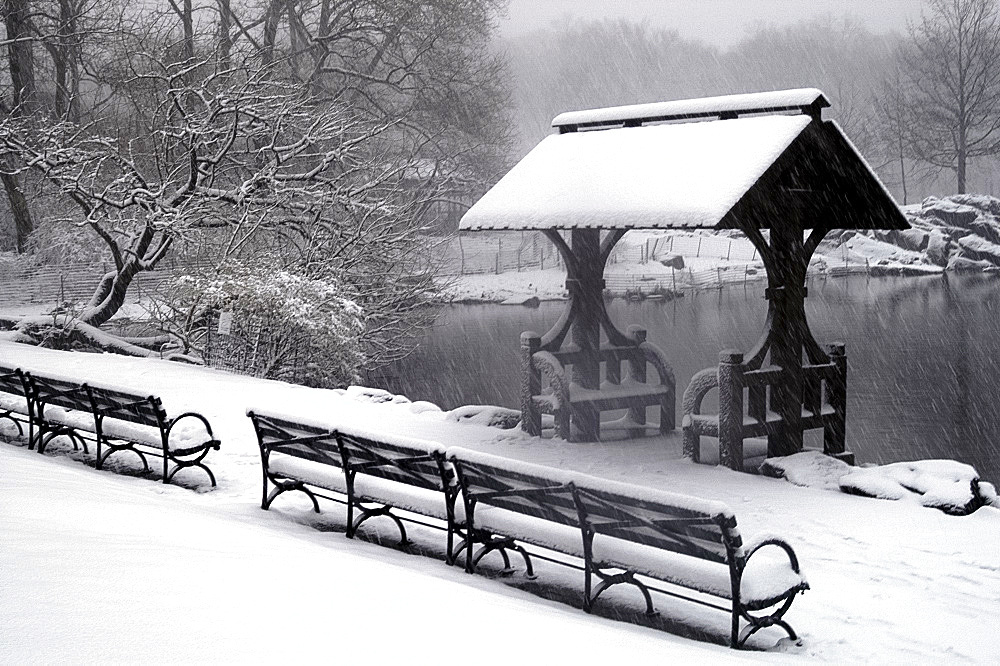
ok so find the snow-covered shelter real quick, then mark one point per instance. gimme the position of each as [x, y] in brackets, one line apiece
[766, 164]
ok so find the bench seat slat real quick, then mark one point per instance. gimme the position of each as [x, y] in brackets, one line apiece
[13, 403]
[366, 488]
[187, 434]
[763, 578]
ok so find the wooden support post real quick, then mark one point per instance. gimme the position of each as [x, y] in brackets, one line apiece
[586, 333]
[787, 290]
[835, 429]
[731, 409]
[531, 385]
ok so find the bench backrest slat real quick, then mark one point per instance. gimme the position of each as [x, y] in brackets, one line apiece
[116, 404]
[59, 392]
[678, 529]
[411, 465]
[294, 439]
[528, 494]
[12, 381]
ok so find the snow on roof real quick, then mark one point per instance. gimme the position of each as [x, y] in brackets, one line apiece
[657, 176]
[778, 100]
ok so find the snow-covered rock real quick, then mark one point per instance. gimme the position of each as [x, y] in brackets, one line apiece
[948, 485]
[488, 415]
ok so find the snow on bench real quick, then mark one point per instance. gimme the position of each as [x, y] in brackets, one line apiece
[14, 406]
[390, 471]
[685, 541]
[117, 420]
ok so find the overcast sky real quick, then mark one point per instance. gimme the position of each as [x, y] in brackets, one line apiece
[720, 22]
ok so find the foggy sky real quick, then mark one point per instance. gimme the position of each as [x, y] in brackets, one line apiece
[719, 22]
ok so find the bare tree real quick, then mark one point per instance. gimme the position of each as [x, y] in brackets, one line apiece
[951, 85]
[302, 138]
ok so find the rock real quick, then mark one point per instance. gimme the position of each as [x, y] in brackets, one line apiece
[673, 261]
[912, 239]
[979, 249]
[949, 212]
[487, 415]
[947, 485]
[938, 249]
[986, 228]
[960, 264]
[983, 202]
[807, 468]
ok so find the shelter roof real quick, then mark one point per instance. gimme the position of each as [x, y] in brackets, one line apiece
[755, 171]
[800, 99]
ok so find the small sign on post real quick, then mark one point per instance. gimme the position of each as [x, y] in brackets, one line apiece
[225, 323]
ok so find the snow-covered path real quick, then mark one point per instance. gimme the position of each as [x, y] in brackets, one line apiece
[891, 581]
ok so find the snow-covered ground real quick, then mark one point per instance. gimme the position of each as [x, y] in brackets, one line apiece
[98, 566]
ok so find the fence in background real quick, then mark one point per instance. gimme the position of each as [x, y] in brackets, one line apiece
[473, 254]
[59, 284]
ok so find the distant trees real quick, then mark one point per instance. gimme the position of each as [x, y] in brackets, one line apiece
[945, 103]
[592, 64]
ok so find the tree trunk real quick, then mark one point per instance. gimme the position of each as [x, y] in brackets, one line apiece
[110, 295]
[19, 210]
[188, 20]
[22, 75]
[64, 57]
[270, 31]
[225, 36]
[20, 55]
[960, 170]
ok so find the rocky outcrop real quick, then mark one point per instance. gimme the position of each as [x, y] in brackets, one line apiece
[958, 233]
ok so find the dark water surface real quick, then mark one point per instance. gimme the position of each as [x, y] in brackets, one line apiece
[923, 374]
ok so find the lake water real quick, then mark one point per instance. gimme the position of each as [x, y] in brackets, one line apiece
[923, 375]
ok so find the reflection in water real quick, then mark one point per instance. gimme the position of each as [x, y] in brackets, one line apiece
[922, 353]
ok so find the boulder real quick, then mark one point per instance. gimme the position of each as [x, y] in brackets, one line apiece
[983, 202]
[947, 485]
[979, 249]
[912, 239]
[949, 212]
[938, 248]
[960, 264]
[987, 228]
[673, 261]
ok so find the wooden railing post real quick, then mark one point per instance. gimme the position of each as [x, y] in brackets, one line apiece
[731, 409]
[835, 428]
[531, 385]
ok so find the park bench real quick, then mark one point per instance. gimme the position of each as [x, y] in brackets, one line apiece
[622, 531]
[118, 420]
[375, 473]
[14, 404]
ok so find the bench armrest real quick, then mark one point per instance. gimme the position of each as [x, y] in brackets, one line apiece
[756, 545]
[210, 443]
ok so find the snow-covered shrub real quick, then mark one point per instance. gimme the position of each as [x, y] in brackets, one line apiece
[283, 325]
